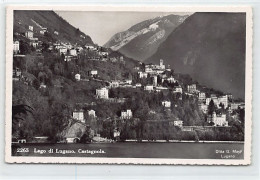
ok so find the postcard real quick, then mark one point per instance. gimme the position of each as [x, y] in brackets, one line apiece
[129, 84]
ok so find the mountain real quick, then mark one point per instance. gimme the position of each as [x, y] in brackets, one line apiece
[207, 46]
[142, 40]
[53, 22]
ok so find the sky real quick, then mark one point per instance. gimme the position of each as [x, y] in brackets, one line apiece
[101, 26]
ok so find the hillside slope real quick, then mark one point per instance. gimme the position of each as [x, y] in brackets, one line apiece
[206, 46]
[142, 40]
[53, 22]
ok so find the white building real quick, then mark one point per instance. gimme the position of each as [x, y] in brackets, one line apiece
[142, 74]
[114, 84]
[56, 33]
[73, 52]
[192, 88]
[138, 85]
[116, 133]
[178, 123]
[126, 114]
[218, 120]
[202, 96]
[29, 34]
[148, 88]
[162, 66]
[63, 50]
[178, 89]
[16, 47]
[30, 28]
[166, 104]
[223, 100]
[171, 80]
[102, 93]
[77, 77]
[79, 115]
[42, 32]
[92, 113]
[128, 81]
[93, 72]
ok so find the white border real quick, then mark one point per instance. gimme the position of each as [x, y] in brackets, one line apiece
[146, 8]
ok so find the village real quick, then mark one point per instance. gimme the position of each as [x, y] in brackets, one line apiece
[146, 78]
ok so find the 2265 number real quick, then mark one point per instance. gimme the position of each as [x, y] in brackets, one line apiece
[22, 150]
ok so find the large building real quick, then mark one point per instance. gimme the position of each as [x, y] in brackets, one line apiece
[162, 66]
[202, 97]
[29, 34]
[126, 114]
[79, 115]
[192, 88]
[218, 120]
[102, 93]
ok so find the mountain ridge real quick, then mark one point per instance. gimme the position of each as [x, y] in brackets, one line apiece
[206, 45]
[141, 40]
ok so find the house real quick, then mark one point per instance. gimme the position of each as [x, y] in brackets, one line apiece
[102, 53]
[128, 81]
[178, 89]
[142, 74]
[92, 113]
[63, 50]
[178, 123]
[77, 77]
[93, 73]
[162, 66]
[34, 44]
[43, 86]
[114, 84]
[166, 104]
[29, 34]
[102, 93]
[78, 115]
[223, 100]
[42, 32]
[126, 114]
[89, 47]
[148, 69]
[67, 58]
[138, 85]
[171, 80]
[73, 52]
[218, 120]
[116, 133]
[148, 88]
[30, 28]
[192, 88]
[56, 33]
[16, 47]
[202, 97]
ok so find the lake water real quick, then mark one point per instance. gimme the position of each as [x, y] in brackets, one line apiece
[135, 150]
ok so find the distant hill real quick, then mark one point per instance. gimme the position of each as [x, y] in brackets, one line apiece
[142, 40]
[51, 21]
[211, 48]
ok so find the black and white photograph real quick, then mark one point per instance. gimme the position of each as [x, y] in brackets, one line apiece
[129, 85]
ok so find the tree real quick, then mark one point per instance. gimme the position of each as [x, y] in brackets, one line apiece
[211, 107]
